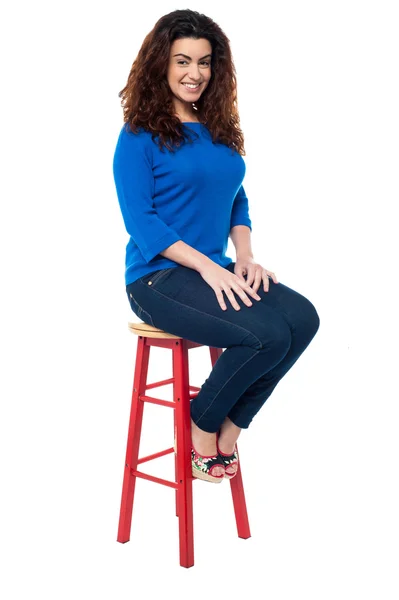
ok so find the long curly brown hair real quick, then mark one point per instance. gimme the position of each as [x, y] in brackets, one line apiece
[147, 97]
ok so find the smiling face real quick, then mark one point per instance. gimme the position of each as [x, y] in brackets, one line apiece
[189, 62]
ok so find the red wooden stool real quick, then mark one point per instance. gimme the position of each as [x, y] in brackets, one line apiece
[182, 393]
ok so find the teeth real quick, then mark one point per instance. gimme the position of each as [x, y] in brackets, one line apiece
[191, 85]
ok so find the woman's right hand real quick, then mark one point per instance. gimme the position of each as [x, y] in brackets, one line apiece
[222, 280]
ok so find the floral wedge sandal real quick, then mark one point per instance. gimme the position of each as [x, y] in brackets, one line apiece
[202, 466]
[230, 461]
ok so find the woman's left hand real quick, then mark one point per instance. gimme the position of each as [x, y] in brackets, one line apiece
[255, 273]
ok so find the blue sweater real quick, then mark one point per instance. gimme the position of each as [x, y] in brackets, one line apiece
[195, 195]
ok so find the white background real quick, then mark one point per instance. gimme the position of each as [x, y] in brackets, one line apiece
[318, 98]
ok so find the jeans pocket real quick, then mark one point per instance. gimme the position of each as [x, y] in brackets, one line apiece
[139, 311]
[155, 277]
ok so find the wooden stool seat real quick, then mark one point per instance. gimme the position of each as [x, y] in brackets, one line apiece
[183, 393]
[140, 328]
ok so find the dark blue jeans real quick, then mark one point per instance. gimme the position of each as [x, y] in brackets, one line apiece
[261, 341]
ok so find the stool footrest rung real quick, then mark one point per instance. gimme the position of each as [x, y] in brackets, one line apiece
[152, 400]
[171, 484]
[156, 455]
[150, 386]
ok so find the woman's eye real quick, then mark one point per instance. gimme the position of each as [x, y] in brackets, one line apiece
[179, 62]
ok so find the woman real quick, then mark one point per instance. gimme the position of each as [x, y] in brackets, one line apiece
[178, 172]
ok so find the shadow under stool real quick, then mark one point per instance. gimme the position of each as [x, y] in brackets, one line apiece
[183, 392]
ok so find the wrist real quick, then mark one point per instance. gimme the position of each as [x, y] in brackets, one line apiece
[204, 265]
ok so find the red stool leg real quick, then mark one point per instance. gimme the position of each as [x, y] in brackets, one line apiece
[236, 485]
[240, 507]
[176, 465]
[181, 392]
[133, 440]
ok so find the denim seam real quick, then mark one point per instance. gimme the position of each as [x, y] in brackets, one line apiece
[226, 382]
[208, 315]
[143, 311]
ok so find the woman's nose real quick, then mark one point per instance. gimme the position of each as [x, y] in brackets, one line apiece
[194, 74]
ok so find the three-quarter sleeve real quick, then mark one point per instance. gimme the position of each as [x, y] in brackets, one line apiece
[240, 210]
[134, 181]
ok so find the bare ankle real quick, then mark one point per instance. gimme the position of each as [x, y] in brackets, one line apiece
[203, 441]
[228, 436]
